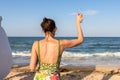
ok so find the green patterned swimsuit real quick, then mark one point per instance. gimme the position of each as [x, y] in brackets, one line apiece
[48, 71]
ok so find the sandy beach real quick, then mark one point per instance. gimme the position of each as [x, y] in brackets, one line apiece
[70, 73]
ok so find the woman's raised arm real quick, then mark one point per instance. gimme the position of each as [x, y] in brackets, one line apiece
[79, 40]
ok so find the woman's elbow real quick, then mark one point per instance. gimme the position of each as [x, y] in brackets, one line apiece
[81, 40]
[32, 69]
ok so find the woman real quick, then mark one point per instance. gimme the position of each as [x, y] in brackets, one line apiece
[48, 51]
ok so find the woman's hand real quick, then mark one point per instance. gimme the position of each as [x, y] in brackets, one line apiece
[79, 18]
[37, 72]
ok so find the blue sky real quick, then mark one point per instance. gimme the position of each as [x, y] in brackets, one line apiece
[23, 17]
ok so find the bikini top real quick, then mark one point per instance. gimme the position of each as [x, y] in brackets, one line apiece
[46, 66]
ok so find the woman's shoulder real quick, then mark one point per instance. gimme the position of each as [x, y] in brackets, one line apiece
[35, 43]
[63, 40]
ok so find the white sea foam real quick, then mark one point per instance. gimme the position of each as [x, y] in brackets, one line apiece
[23, 53]
[104, 54]
[74, 54]
[73, 58]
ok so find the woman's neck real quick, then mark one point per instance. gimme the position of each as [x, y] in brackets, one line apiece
[49, 36]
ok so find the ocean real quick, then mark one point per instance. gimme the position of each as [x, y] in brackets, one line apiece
[93, 51]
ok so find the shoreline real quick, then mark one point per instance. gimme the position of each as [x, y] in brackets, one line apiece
[97, 72]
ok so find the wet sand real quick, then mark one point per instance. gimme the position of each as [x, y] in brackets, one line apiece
[70, 73]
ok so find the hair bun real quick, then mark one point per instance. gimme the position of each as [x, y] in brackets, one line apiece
[45, 19]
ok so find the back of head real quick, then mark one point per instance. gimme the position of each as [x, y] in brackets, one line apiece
[48, 25]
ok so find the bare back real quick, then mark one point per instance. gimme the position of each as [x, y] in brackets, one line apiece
[49, 51]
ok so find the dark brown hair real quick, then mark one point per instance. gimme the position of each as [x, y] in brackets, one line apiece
[48, 25]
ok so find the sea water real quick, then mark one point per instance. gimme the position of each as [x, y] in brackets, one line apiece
[93, 51]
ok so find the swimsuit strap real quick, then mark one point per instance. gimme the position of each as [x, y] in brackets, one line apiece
[58, 60]
[39, 52]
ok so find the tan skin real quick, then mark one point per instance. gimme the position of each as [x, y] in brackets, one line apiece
[49, 46]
